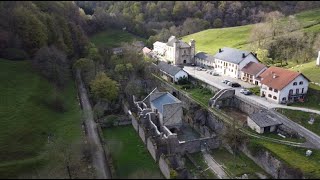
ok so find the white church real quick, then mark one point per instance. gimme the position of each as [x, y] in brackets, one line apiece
[175, 51]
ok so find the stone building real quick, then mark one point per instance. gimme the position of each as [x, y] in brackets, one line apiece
[175, 51]
[171, 73]
[262, 122]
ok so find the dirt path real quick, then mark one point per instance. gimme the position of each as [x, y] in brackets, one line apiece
[216, 168]
[98, 156]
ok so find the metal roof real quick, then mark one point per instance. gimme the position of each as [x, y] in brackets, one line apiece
[168, 68]
[264, 119]
[164, 99]
[232, 55]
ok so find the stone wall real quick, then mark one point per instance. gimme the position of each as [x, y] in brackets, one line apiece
[196, 81]
[152, 148]
[275, 167]
[134, 123]
[164, 167]
[241, 104]
[142, 134]
[197, 145]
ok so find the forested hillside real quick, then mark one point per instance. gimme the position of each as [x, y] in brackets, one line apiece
[180, 18]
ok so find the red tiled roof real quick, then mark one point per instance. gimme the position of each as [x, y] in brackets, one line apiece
[282, 77]
[146, 50]
[253, 68]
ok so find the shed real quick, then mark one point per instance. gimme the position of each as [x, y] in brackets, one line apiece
[262, 122]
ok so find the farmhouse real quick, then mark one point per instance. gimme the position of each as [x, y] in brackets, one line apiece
[229, 61]
[262, 122]
[204, 60]
[251, 71]
[171, 73]
[175, 51]
[281, 85]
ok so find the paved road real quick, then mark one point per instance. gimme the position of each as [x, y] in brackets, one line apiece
[216, 81]
[98, 156]
[216, 168]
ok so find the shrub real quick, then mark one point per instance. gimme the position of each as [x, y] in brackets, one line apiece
[108, 121]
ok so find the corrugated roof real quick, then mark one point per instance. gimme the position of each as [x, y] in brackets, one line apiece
[205, 56]
[231, 55]
[164, 99]
[264, 119]
[168, 68]
[282, 77]
[253, 68]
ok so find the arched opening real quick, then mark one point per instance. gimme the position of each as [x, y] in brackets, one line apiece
[174, 94]
[173, 130]
[184, 61]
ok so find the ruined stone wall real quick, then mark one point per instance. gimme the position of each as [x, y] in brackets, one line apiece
[196, 145]
[243, 105]
[152, 149]
[142, 134]
[164, 167]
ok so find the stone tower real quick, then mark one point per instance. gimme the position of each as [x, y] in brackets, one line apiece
[192, 43]
[318, 59]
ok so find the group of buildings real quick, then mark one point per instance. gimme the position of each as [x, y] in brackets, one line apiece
[276, 84]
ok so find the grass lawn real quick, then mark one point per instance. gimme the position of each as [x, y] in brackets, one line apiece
[131, 158]
[26, 120]
[203, 172]
[113, 38]
[236, 166]
[255, 90]
[302, 118]
[309, 69]
[295, 157]
[211, 40]
[201, 94]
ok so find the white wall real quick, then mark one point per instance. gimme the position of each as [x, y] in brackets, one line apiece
[285, 91]
[181, 73]
[254, 126]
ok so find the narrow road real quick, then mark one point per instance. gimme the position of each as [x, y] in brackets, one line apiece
[216, 168]
[98, 156]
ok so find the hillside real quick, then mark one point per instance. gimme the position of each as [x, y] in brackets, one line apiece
[27, 120]
[237, 37]
[112, 38]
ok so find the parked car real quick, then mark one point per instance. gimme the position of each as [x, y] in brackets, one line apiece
[234, 84]
[193, 65]
[199, 68]
[225, 81]
[215, 74]
[245, 91]
[229, 83]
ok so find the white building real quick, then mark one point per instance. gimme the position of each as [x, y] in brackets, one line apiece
[171, 73]
[251, 71]
[262, 122]
[229, 61]
[318, 59]
[204, 60]
[281, 85]
[175, 51]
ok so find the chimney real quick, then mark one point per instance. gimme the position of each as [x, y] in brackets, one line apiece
[243, 55]
[274, 75]
[220, 50]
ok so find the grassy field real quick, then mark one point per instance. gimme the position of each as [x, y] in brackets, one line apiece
[211, 40]
[130, 157]
[113, 38]
[312, 100]
[237, 165]
[302, 118]
[26, 120]
[295, 157]
[310, 70]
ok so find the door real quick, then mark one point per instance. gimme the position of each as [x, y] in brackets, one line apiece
[267, 129]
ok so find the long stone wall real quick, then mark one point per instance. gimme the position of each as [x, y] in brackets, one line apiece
[152, 149]
[142, 134]
[164, 167]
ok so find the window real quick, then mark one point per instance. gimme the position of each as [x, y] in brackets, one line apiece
[295, 83]
[302, 90]
[291, 92]
[270, 88]
[269, 95]
[275, 97]
[283, 99]
[301, 82]
[297, 91]
[275, 90]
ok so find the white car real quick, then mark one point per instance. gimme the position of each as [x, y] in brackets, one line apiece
[245, 91]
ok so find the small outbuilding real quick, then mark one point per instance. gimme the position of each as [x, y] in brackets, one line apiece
[262, 122]
[171, 73]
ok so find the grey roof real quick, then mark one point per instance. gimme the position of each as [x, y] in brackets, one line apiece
[164, 99]
[231, 55]
[205, 56]
[264, 119]
[173, 39]
[168, 68]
